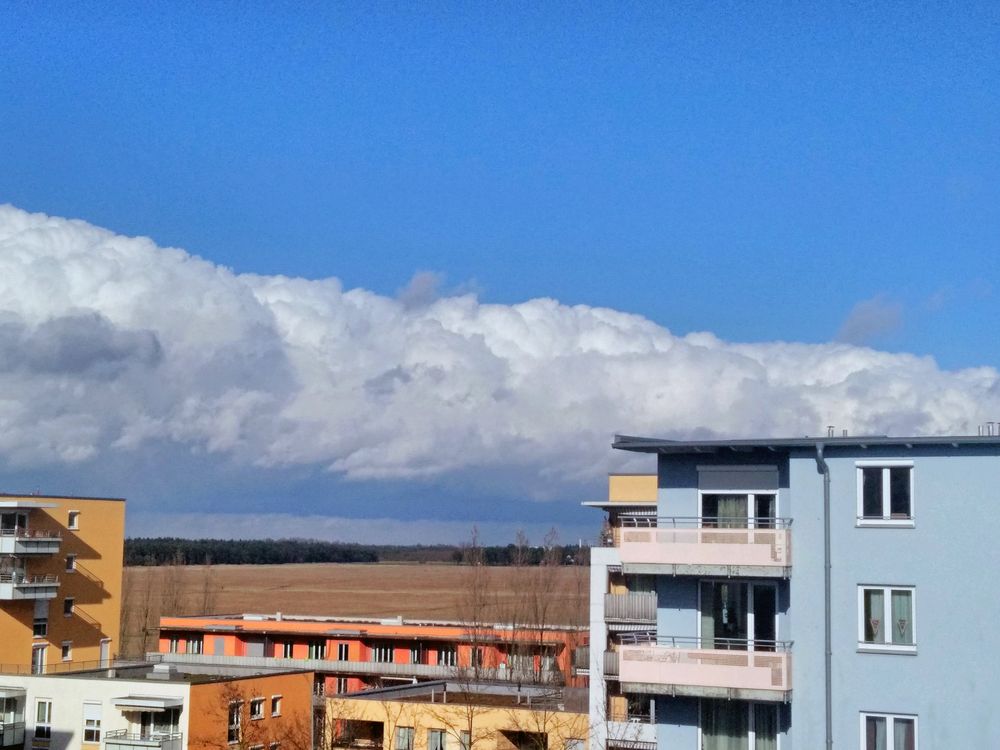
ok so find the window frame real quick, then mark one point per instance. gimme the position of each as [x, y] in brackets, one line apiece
[256, 708]
[94, 729]
[275, 705]
[69, 603]
[886, 589]
[194, 645]
[43, 729]
[886, 520]
[70, 562]
[234, 722]
[73, 520]
[66, 650]
[889, 727]
[40, 627]
[438, 734]
[411, 735]
[343, 652]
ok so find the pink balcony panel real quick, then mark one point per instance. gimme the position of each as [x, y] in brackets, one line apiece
[707, 546]
[706, 668]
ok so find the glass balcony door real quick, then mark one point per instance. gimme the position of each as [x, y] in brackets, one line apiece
[738, 615]
[740, 510]
[737, 725]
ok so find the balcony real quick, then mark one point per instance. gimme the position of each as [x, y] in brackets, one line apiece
[15, 586]
[12, 734]
[637, 607]
[679, 666]
[685, 546]
[121, 739]
[23, 541]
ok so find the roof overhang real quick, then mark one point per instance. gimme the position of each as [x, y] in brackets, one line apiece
[24, 505]
[7, 691]
[658, 445]
[147, 703]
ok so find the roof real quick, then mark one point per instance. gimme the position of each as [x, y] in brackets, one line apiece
[660, 445]
[39, 496]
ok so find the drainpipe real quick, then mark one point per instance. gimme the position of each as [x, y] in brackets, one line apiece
[822, 468]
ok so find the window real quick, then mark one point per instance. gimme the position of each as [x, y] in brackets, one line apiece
[257, 708]
[67, 650]
[286, 650]
[477, 657]
[417, 653]
[233, 734]
[465, 739]
[342, 652]
[40, 627]
[275, 705]
[195, 645]
[447, 656]
[435, 739]
[73, 520]
[38, 659]
[43, 719]
[885, 493]
[738, 724]
[404, 738]
[888, 732]
[573, 743]
[317, 649]
[274, 746]
[91, 722]
[70, 563]
[341, 685]
[382, 653]
[68, 606]
[174, 645]
[738, 510]
[887, 615]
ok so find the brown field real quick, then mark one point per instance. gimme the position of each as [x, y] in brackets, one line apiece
[432, 591]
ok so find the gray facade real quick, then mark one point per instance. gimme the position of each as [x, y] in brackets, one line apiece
[911, 608]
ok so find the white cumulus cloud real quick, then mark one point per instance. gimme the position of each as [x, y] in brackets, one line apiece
[111, 344]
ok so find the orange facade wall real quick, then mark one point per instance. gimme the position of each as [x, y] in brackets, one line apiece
[208, 724]
[94, 585]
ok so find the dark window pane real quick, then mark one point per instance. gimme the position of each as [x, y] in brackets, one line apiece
[899, 492]
[764, 511]
[871, 505]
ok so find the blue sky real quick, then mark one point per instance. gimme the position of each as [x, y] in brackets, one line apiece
[765, 173]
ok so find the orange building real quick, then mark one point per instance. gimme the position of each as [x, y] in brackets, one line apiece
[60, 580]
[355, 654]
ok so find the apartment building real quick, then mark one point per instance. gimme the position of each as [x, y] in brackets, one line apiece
[351, 654]
[144, 706]
[449, 715]
[799, 593]
[60, 581]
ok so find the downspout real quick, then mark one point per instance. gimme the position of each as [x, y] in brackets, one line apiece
[822, 468]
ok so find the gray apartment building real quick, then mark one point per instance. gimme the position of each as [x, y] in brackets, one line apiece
[805, 593]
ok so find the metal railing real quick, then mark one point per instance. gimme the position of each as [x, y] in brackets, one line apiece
[649, 638]
[21, 579]
[63, 667]
[22, 532]
[703, 522]
[125, 738]
[12, 733]
[634, 606]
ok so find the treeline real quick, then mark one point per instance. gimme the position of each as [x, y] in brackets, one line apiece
[175, 551]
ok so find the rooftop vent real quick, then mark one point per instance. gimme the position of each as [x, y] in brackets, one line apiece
[163, 672]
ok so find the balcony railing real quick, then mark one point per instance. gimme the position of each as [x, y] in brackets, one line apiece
[16, 585]
[731, 668]
[611, 663]
[581, 657]
[550, 674]
[636, 606]
[763, 546]
[122, 738]
[24, 541]
[12, 734]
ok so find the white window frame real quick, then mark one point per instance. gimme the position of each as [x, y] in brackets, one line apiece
[69, 603]
[410, 733]
[275, 705]
[194, 645]
[889, 727]
[92, 724]
[66, 650]
[886, 590]
[751, 496]
[256, 709]
[751, 617]
[42, 661]
[383, 653]
[46, 725]
[40, 624]
[343, 652]
[441, 734]
[288, 650]
[234, 722]
[886, 521]
[173, 645]
[71, 562]
[73, 520]
[341, 685]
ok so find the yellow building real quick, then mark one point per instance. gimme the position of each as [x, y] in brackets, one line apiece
[446, 715]
[60, 581]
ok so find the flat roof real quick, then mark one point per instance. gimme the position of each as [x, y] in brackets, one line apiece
[40, 496]
[661, 445]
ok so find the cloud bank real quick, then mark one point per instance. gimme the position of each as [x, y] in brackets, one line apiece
[111, 345]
